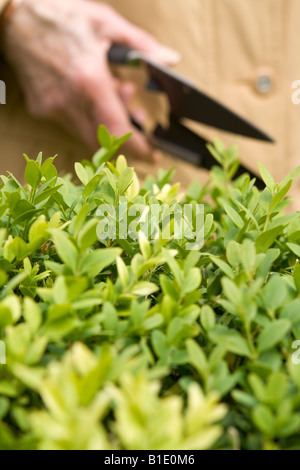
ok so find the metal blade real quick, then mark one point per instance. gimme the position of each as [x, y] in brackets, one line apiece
[187, 101]
[188, 146]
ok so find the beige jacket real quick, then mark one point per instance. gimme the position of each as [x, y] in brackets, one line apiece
[245, 53]
[3, 4]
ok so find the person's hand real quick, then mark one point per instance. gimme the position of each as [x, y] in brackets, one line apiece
[59, 52]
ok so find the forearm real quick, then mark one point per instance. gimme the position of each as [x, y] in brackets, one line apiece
[58, 50]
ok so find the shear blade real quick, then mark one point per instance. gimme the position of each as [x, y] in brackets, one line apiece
[188, 146]
[186, 101]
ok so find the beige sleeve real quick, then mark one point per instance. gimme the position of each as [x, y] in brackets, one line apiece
[3, 4]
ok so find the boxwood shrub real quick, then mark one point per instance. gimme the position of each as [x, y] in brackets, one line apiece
[138, 342]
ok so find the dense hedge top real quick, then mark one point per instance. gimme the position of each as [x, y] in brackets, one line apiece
[139, 343]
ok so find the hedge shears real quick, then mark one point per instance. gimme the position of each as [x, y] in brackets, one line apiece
[186, 101]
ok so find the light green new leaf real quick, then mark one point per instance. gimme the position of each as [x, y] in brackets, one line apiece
[144, 288]
[223, 266]
[234, 216]
[65, 248]
[32, 173]
[88, 235]
[81, 173]
[266, 176]
[191, 281]
[176, 271]
[125, 179]
[104, 137]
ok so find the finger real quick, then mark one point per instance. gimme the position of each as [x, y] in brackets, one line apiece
[139, 147]
[107, 108]
[140, 116]
[115, 28]
[126, 92]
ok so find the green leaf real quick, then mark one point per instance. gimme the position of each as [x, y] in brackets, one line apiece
[297, 277]
[32, 314]
[274, 293]
[47, 167]
[104, 137]
[280, 195]
[248, 256]
[91, 186]
[122, 271]
[65, 248]
[191, 281]
[197, 357]
[273, 334]
[223, 266]
[110, 317]
[231, 340]
[294, 248]
[207, 318]
[266, 176]
[234, 216]
[234, 253]
[266, 262]
[125, 179]
[81, 173]
[244, 399]
[276, 388]
[78, 221]
[159, 343]
[232, 291]
[39, 230]
[4, 407]
[168, 287]
[32, 173]
[264, 419]
[208, 225]
[88, 234]
[93, 263]
[111, 179]
[266, 239]
[175, 269]
[144, 288]
[291, 311]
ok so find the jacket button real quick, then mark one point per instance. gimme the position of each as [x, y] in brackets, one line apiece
[264, 83]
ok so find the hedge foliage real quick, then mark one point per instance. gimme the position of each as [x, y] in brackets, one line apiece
[138, 343]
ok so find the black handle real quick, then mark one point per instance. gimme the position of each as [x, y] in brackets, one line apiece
[119, 54]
